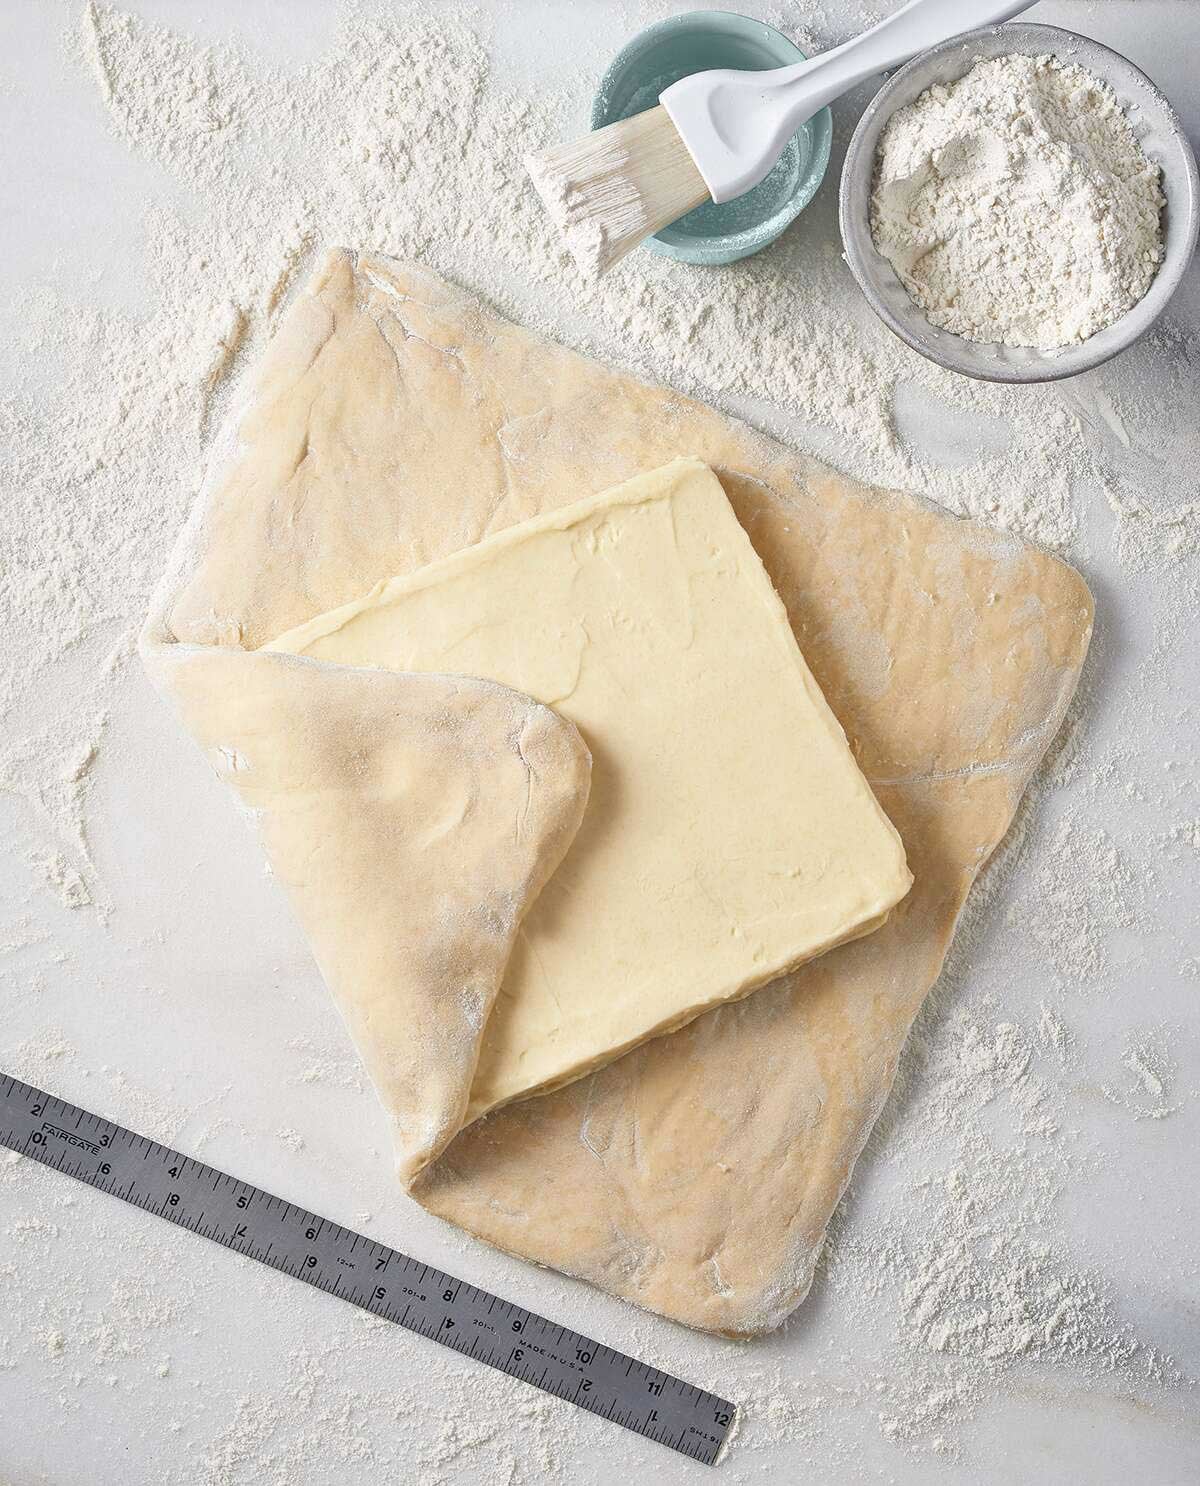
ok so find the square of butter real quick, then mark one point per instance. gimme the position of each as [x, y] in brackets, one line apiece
[729, 834]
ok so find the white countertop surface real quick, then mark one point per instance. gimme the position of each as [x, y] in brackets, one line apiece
[132, 1354]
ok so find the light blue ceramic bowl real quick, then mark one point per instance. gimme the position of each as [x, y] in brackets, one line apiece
[695, 42]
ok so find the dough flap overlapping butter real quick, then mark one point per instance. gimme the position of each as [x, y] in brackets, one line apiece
[728, 834]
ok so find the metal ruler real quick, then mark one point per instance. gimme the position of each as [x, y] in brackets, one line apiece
[381, 1280]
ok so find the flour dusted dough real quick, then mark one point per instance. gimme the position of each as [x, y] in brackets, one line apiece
[414, 819]
[729, 834]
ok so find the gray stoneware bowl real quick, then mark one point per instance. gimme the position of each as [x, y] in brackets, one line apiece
[1160, 134]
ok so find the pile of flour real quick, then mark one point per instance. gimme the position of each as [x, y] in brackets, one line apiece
[1017, 206]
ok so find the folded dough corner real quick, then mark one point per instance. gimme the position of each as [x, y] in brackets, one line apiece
[534, 746]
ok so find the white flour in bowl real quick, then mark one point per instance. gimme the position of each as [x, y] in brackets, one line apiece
[1016, 204]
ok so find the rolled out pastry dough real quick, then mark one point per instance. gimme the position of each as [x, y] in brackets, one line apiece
[394, 421]
[729, 835]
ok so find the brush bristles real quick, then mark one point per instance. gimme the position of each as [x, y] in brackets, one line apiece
[614, 187]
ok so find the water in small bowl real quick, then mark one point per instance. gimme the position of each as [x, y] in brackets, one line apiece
[697, 42]
[744, 213]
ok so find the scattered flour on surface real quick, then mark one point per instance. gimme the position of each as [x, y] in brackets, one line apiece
[949, 1238]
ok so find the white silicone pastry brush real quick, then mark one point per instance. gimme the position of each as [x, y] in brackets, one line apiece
[717, 134]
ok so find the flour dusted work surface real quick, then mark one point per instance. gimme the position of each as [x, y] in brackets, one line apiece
[415, 818]
[729, 834]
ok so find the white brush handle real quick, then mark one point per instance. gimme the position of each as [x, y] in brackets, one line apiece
[736, 124]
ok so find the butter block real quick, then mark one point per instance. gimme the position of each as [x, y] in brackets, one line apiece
[729, 834]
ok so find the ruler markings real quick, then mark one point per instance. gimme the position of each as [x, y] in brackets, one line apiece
[319, 1252]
